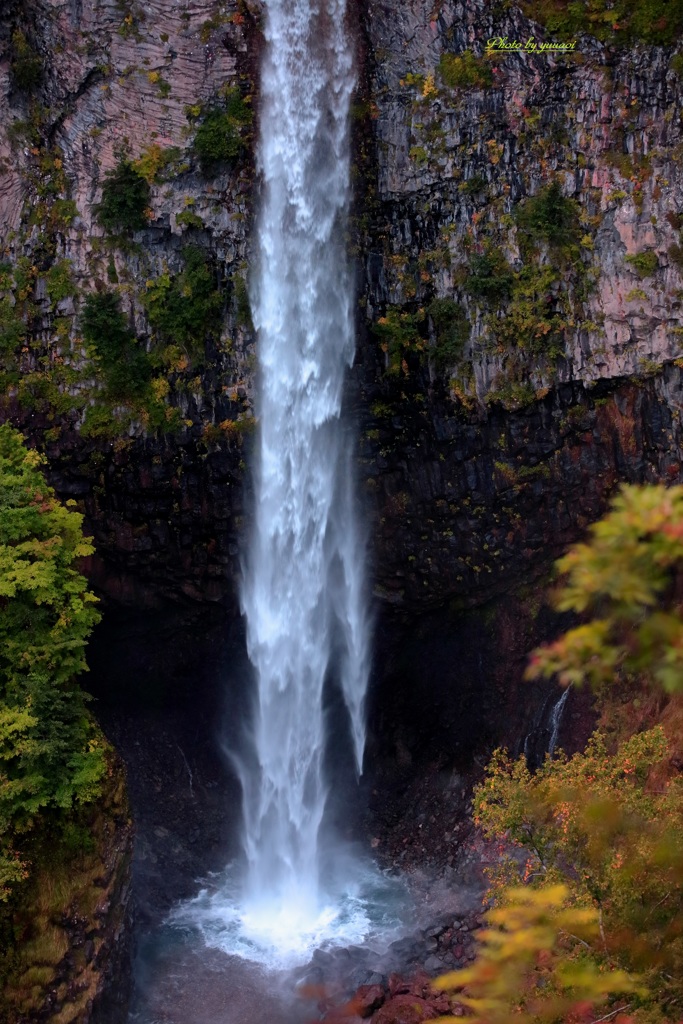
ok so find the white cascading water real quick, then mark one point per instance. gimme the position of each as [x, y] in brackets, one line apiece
[303, 588]
[302, 593]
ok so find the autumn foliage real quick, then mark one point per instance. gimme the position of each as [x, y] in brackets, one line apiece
[51, 754]
[587, 918]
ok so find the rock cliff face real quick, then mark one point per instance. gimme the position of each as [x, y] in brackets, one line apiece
[519, 267]
[566, 380]
[494, 425]
[72, 924]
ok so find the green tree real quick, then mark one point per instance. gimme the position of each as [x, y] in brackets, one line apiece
[185, 307]
[125, 366]
[125, 199]
[50, 753]
[224, 132]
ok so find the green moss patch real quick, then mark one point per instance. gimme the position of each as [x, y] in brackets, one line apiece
[223, 132]
[659, 22]
[465, 71]
[185, 307]
[125, 366]
[644, 263]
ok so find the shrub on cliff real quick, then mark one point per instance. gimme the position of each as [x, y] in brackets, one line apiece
[25, 62]
[452, 331]
[51, 759]
[186, 306]
[659, 22]
[549, 216]
[125, 199]
[604, 828]
[400, 338]
[465, 71]
[125, 366]
[490, 276]
[223, 132]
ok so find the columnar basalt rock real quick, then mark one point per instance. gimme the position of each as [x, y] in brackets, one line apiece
[478, 457]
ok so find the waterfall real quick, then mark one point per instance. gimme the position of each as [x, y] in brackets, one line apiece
[303, 584]
[556, 720]
[302, 591]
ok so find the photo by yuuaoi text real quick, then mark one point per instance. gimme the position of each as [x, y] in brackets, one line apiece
[501, 44]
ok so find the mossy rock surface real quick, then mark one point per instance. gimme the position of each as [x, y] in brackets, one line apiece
[64, 937]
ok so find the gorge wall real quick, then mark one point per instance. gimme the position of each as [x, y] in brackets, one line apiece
[519, 281]
[519, 265]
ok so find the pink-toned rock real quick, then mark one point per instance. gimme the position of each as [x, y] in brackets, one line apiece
[397, 984]
[368, 998]
[405, 1009]
[341, 1017]
[420, 984]
[441, 1003]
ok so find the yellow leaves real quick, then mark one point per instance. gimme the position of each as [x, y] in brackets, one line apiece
[34, 459]
[429, 88]
[160, 388]
[623, 569]
[530, 961]
[594, 823]
[495, 150]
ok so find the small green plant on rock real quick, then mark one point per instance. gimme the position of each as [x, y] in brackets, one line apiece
[464, 72]
[644, 263]
[125, 366]
[125, 199]
[399, 335]
[474, 185]
[12, 328]
[452, 330]
[241, 293]
[549, 217]
[490, 275]
[675, 252]
[676, 64]
[184, 307]
[537, 314]
[511, 394]
[25, 62]
[60, 283]
[12, 313]
[155, 163]
[223, 133]
[189, 219]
